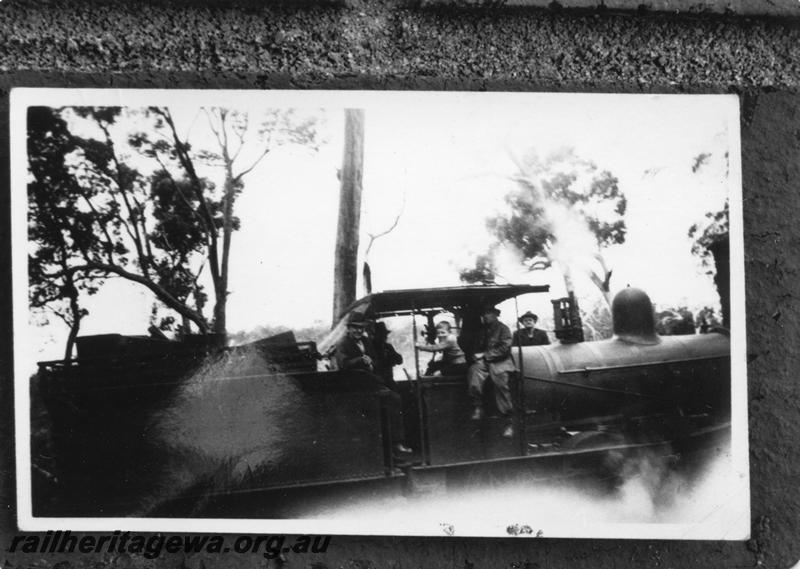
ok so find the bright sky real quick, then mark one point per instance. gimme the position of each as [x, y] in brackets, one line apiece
[444, 159]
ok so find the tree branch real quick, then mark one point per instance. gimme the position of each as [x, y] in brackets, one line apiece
[133, 213]
[180, 193]
[214, 130]
[187, 164]
[55, 312]
[374, 237]
[161, 293]
[104, 229]
[241, 136]
[249, 169]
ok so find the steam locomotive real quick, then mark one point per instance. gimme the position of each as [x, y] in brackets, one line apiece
[152, 427]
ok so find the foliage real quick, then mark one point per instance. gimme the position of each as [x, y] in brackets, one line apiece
[563, 210]
[707, 319]
[562, 181]
[58, 224]
[715, 229]
[597, 323]
[94, 213]
[676, 321]
[483, 272]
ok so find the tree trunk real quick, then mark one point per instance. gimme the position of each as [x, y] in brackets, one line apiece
[73, 335]
[602, 286]
[721, 252]
[367, 276]
[71, 291]
[220, 308]
[221, 285]
[345, 271]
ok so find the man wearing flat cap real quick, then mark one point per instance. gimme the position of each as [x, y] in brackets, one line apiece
[493, 359]
[529, 335]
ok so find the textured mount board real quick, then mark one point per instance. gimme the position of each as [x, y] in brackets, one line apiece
[781, 8]
[755, 58]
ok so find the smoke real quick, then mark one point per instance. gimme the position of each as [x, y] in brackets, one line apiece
[509, 264]
[653, 491]
[574, 247]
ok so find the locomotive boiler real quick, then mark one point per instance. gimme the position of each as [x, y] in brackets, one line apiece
[636, 382]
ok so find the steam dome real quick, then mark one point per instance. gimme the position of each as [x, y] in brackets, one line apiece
[634, 320]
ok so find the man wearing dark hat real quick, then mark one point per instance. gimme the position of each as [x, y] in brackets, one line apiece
[355, 351]
[530, 335]
[386, 357]
[493, 360]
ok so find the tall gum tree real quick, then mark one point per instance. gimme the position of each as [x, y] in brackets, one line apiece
[158, 229]
[563, 212]
[345, 268]
[59, 228]
[240, 144]
[124, 206]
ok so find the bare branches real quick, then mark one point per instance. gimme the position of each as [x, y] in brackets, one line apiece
[374, 236]
[240, 134]
[255, 162]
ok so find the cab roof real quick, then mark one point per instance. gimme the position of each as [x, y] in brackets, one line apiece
[398, 302]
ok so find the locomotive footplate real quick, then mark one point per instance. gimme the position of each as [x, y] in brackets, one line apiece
[597, 455]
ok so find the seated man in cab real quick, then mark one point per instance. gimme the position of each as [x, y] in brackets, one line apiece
[453, 361]
[357, 352]
[493, 359]
[530, 335]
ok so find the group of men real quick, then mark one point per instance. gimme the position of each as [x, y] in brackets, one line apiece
[488, 358]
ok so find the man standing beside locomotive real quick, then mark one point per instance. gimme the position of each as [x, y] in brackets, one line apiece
[493, 359]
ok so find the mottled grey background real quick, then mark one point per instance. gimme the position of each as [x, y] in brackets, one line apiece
[391, 44]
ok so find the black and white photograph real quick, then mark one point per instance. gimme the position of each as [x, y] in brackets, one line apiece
[379, 313]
